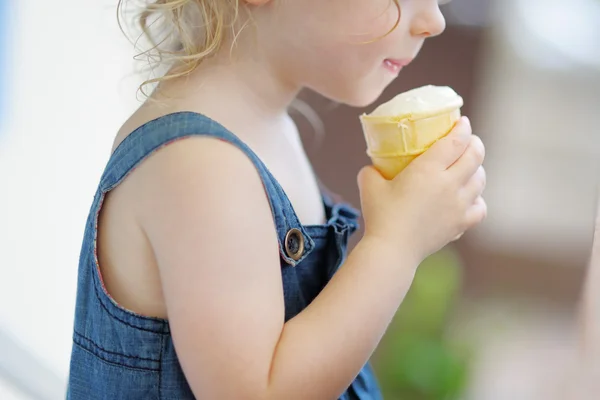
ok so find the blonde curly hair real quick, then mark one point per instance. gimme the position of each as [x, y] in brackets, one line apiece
[183, 33]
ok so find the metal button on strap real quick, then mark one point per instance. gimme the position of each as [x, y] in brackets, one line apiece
[294, 244]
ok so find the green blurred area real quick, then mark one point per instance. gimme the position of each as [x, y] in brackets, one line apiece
[416, 360]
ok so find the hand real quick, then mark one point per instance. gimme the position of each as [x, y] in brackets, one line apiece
[431, 202]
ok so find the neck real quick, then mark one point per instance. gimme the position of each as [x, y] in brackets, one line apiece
[247, 87]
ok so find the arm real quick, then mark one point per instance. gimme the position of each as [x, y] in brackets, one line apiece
[216, 246]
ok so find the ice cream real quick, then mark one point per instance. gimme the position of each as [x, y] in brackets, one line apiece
[401, 129]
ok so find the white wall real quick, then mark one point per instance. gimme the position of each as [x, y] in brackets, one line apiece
[67, 65]
[7, 392]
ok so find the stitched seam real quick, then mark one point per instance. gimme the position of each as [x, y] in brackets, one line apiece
[94, 344]
[112, 363]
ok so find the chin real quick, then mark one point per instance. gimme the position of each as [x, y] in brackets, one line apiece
[360, 102]
[362, 98]
[360, 95]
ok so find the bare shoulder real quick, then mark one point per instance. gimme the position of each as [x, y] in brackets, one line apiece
[203, 173]
[206, 214]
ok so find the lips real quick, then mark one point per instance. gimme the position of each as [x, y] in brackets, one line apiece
[395, 65]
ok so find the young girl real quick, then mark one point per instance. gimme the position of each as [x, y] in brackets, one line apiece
[212, 266]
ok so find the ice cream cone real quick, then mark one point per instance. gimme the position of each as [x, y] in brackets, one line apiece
[405, 127]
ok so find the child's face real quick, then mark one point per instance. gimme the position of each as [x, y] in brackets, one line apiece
[339, 48]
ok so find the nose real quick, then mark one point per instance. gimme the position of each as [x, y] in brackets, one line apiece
[428, 23]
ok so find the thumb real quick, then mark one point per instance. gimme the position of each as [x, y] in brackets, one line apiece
[448, 149]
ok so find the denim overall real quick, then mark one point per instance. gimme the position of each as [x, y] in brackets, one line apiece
[118, 354]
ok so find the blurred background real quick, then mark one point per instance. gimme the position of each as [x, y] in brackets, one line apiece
[489, 318]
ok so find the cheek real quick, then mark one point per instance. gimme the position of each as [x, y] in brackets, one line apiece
[346, 21]
[356, 39]
[369, 21]
[352, 75]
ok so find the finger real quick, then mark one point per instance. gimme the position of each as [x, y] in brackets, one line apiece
[466, 166]
[448, 149]
[369, 179]
[476, 185]
[476, 213]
